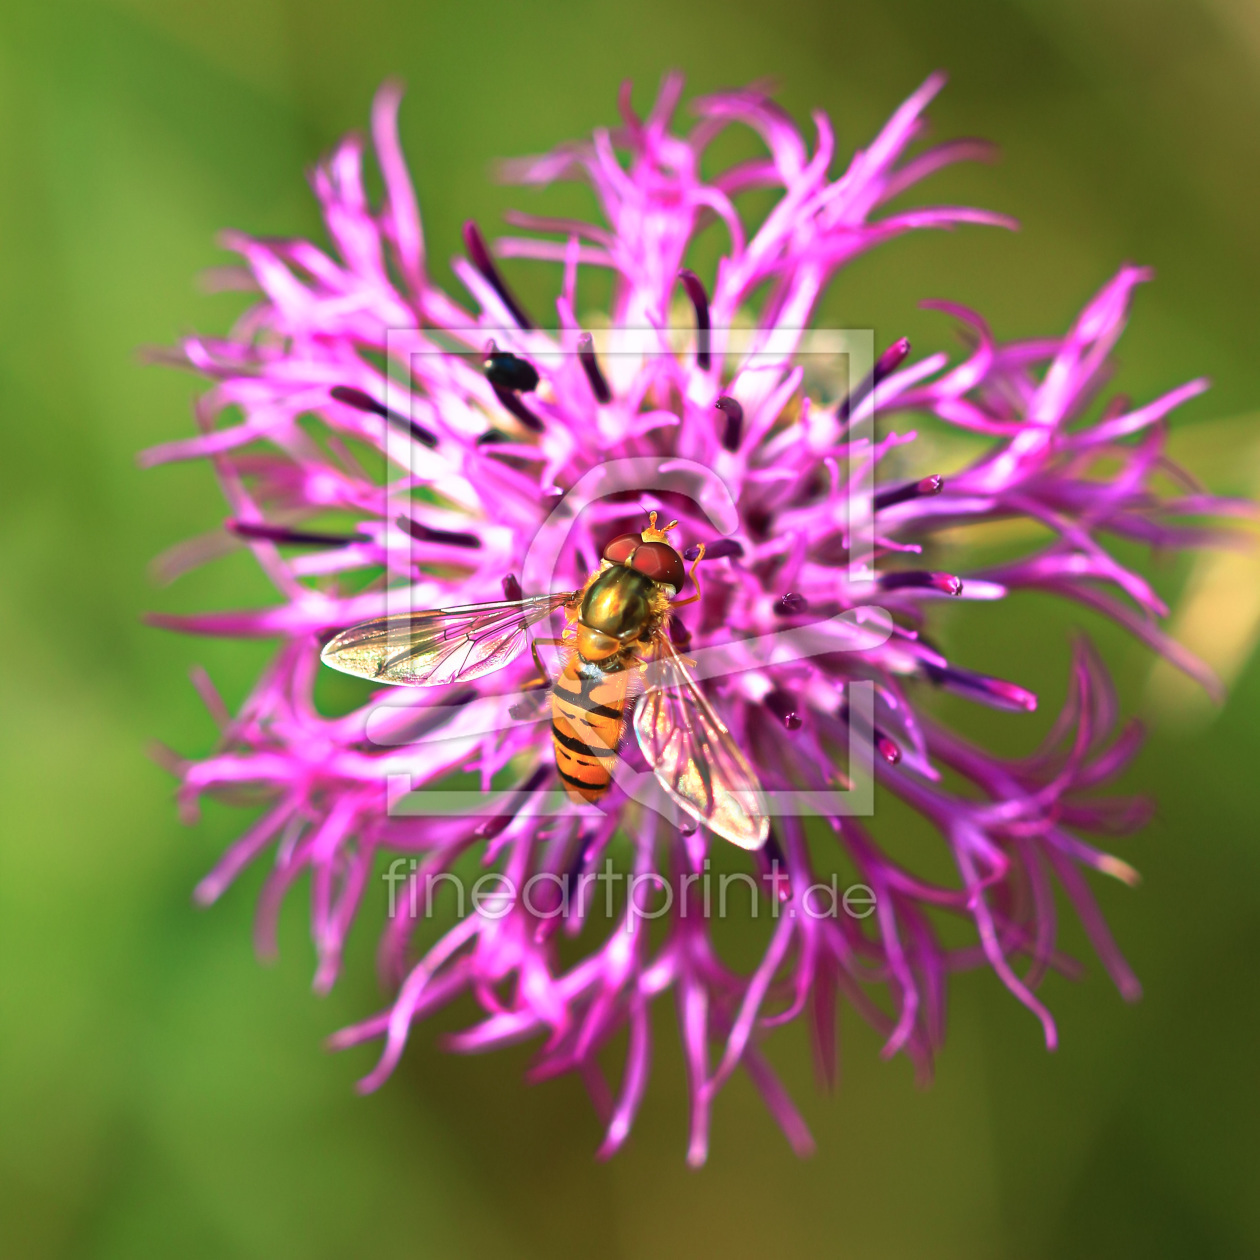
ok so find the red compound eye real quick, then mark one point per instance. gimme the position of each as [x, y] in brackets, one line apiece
[620, 549]
[660, 562]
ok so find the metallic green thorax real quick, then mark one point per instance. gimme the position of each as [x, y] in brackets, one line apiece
[618, 602]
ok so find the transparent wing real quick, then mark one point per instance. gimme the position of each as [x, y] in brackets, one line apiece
[428, 649]
[693, 755]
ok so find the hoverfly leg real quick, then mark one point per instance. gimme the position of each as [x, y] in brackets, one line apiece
[695, 581]
[544, 678]
[537, 688]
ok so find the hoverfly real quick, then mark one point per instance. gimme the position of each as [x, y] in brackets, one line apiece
[616, 626]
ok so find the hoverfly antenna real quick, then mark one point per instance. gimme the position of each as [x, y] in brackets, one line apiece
[652, 534]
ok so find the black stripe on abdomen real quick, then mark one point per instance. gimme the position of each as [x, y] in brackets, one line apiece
[579, 701]
[577, 745]
[595, 786]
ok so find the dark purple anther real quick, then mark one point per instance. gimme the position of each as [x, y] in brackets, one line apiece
[581, 855]
[590, 365]
[719, 550]
[911, 490]
[480, 258]
[773, 868]
[511, 589]
[493, 826]
[512, 402]
[785, 708]
[423, 533]
[887, 748]
[995, 691]
[679, 635]
[773, 849]
[259, 532]
[887, 363]
[360, 401]
[791, 605]
[733, 430]
[892, 358]
[700, 300]
[946, 583]
[1116, 406]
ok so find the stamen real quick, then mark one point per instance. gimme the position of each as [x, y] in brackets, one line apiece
[699, 300]
[947, 583]
[493, 826]
[1116, 406]
[581, 855]
[554, 911]
[715, 550]
[426, 722]
[911, 490]
[885, 365]
[995, 691]
[887, 748]
[791, 605]
[679, 635]
[480, 258]
[511, 401]
[423, 533]
[511, 589]
[590, 365]
[1119, 869]
[774, 868]
[734, 427]
[360, 401]
[259, 532]
[785, 708]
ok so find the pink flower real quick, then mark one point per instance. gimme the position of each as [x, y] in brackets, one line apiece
[299, 393]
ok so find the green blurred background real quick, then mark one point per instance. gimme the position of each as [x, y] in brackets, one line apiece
[163, 1094]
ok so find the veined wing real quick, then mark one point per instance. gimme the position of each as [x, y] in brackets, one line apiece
[428, 649]
[693, 755]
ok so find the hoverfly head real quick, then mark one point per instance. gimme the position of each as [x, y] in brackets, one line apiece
[648, 553]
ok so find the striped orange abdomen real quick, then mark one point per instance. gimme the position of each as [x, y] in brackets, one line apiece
[588, 706]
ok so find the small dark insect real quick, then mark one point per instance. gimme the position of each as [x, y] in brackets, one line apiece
[509, 371]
